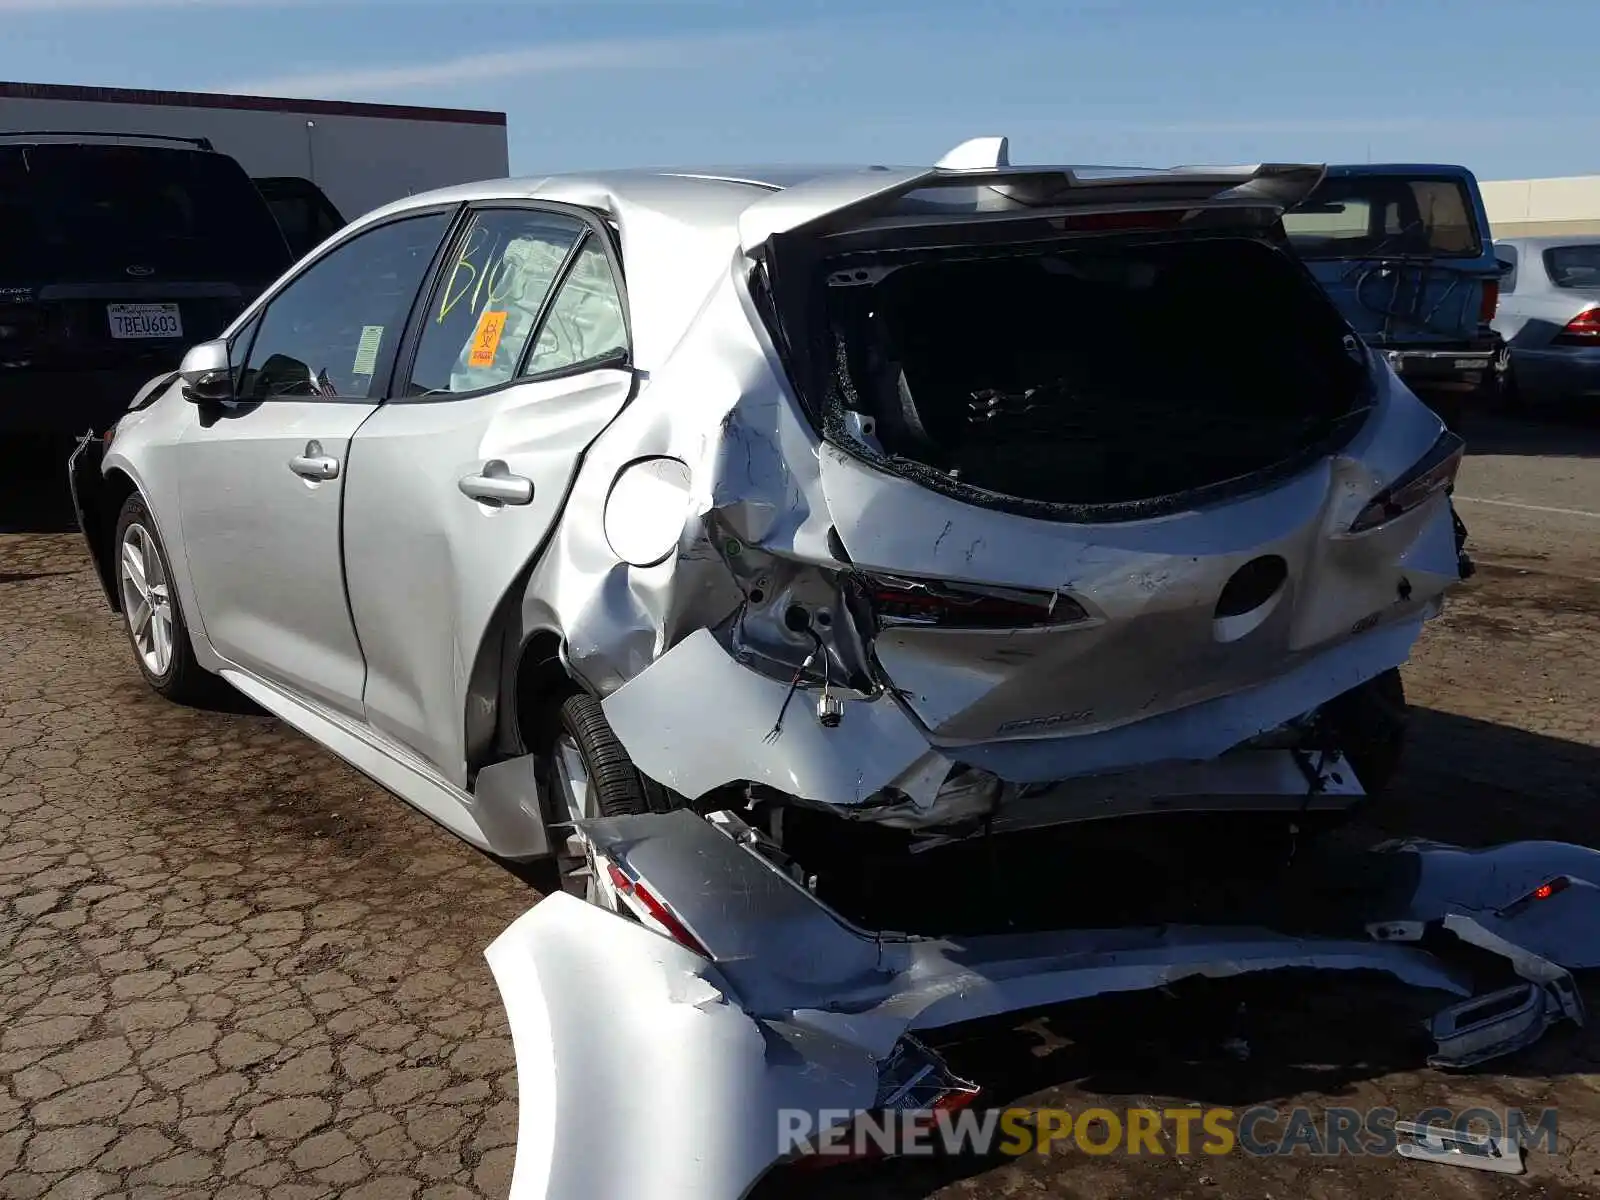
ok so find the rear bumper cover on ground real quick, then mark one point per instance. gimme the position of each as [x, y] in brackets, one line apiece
[673, 1086]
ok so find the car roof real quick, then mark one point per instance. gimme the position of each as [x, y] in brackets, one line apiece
[1452, 170]
[680, 226]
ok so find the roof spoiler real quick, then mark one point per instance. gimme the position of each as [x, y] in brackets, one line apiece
[986, 161]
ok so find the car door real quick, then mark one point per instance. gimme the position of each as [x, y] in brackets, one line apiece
[261, 479]
[519, 362]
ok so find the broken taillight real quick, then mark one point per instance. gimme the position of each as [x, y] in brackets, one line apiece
[1544, 891]
[914, 602]
[639, 897]
[1434, 473]
[1582, 330]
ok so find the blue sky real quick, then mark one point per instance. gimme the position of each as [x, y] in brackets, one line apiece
[1507, 88]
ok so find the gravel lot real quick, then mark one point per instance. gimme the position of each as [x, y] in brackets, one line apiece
[231, 967]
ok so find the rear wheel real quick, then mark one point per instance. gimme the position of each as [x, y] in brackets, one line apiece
[590, 775]
[1369, 723]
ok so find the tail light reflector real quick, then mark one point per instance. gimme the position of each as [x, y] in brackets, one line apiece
[1490, 303]
[1552, 887]
[1434, 473]
[1582, 330]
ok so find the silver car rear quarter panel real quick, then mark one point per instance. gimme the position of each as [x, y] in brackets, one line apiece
[764, 474]
[673, 1086]
[720, 403]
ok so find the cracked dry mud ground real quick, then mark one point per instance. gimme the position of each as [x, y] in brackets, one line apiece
[231, 967]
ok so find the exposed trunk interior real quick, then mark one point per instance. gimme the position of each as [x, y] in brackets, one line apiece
[1107, 374]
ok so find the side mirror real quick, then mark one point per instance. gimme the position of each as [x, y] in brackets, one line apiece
[1506, 267]
[206, 373]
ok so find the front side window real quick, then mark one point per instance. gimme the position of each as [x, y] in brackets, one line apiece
[327, 334]
[489, 299]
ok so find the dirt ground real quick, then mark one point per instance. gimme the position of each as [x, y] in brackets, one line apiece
[231, 967]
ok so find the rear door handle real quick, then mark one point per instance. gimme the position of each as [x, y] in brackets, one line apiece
[314, 464]
[495, 484]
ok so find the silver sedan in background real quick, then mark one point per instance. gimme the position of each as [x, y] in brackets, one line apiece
[1549, 316]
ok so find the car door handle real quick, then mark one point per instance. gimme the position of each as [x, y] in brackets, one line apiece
[314, 464]
[495, 484]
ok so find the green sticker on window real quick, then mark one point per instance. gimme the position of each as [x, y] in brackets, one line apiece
[367, 350]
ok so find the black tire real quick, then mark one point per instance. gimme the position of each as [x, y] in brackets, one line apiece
[619, 788]
[184, 681]
[1369, 723]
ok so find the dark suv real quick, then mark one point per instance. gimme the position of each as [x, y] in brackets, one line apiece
[117, 253]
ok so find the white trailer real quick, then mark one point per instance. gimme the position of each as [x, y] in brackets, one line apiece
[358, 155]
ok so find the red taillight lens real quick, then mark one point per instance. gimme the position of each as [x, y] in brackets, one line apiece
[642, 898]
[1490, 303]
[906, 602]
[1582, 330]
[1435, 473]
[1544, 891]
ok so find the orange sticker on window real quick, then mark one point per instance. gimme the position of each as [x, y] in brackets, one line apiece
[487, 339]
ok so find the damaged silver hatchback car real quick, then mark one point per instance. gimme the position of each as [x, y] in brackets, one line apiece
[978, 496]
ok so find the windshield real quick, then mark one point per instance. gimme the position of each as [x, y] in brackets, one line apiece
[1574, 266]
[75, 212]
[1367, 216]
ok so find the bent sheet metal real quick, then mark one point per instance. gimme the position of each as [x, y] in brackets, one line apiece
[626, 1038]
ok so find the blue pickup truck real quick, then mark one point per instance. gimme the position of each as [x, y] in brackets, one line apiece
[1405, 252]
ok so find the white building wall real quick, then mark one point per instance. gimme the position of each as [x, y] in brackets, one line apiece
[1535, 207]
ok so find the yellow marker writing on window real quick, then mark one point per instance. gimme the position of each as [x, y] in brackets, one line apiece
[486, 340]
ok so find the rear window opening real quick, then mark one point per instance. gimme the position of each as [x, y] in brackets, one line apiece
[1114, 374]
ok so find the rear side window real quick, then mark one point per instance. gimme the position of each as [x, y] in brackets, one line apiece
[306, 216]
[489, 299]
[91, 213]
[328, 334]
[586, 322]
[1573, 266]
[1373, 215]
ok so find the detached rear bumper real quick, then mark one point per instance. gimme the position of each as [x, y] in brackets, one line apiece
[649, 1070]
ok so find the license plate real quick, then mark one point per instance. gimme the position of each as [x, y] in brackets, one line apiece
[1470, 364]
[129, 321]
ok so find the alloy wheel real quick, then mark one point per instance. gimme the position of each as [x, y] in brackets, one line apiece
[146, 599]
